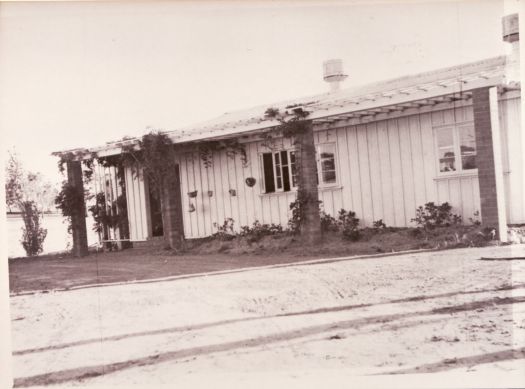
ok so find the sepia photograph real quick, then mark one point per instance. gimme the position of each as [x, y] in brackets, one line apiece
[262, 194]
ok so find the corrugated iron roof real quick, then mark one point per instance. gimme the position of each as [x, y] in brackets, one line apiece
[400, 90]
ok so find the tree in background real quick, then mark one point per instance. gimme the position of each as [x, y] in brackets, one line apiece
[28, 193]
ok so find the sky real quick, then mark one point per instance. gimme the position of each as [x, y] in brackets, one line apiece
[79, 74]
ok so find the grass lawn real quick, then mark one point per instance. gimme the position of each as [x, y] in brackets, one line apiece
[50, 272]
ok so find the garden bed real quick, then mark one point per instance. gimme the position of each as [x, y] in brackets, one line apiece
[370, 241]
[222, 253]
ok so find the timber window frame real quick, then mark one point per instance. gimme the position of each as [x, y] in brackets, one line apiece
[326, 155]
[278, 172]
[456, 150]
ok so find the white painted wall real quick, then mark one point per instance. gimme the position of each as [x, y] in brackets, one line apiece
[138, 204]
[385, 170]
[513, 159]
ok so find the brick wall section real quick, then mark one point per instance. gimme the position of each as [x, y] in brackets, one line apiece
[485, 157]
[78, 220]
[172, 211]
[310, 223]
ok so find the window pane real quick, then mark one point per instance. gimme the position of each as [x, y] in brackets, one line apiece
[278, 171]
[269, 184]
[284, 157]
[293, 168]
[329, 177]
[327, 163]
[447, 160]
[445, 137]
[285, 171]
[467, 143]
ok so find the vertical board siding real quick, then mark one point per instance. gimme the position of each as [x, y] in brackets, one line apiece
[344, 170]
[406, 169]
[218, 191]
[135, 196]
[429, 157]
[397, 176]
[364, 173]
[355, 174]
[513, 159]
[386, 174]
[206, 199]
[385, 170]
[374, 158]
[194, 223]
[418, 163]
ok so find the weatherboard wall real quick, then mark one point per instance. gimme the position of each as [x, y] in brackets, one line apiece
[137, 198]
[385, 170]
[513, 159]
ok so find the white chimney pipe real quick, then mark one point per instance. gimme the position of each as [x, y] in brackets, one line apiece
[333, 73]
[511, 35]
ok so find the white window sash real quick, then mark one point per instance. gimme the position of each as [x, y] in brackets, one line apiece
[456, 147]
[320, 166]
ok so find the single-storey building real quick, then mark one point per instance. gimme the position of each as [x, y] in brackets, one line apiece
[451, 135]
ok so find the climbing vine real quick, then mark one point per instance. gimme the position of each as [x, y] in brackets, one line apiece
[232, 147]
[305, 209]
[70, 200]
[107, 215]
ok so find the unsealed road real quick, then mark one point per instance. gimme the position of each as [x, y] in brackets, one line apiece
[417, 313]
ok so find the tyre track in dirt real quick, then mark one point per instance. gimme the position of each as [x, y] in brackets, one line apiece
[75, 374]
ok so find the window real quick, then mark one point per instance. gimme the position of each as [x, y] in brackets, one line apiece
[280, 172]
[456, 148]
[326, 163]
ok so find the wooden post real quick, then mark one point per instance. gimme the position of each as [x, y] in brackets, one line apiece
[78, 219]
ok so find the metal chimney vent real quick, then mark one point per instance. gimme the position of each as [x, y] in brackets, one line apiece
[333, 73]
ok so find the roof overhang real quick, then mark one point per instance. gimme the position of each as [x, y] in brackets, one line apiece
[434, 93]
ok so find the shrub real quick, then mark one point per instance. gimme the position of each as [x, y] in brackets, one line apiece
[258, 230]
[349, 225]
[431, 216]
[33, 235]
[225, 231]
[475, 221]
[294, 224]
[328, 223]
[379, 225]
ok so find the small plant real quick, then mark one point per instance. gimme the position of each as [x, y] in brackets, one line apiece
[379, 225]
[431, 216]
[475, 221]
[225, 231]
[298, 208]
[33, 235]
[349, 225]
[258, 231]
[328, 223]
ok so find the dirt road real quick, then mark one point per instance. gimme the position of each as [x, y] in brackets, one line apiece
[434, 312]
